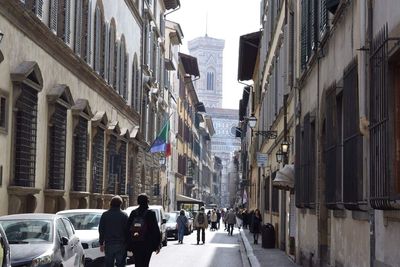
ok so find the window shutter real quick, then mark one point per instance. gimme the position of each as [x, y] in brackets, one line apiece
[78, 27]
[85, 30]
[118, 66]
[67, 21]
[61, 19]
[89, 35]
[314, 23]
[111, 62]
[30, 5]
[304, 33]
[107, 52]
[323, 24]
[138, 88]
[53, 15]
[102, 50]
[39, 8]
[149, 45]
[126, 75]
[121, 68]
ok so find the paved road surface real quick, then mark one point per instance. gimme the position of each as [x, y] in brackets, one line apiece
[219, 250]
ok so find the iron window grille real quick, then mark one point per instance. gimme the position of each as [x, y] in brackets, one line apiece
[113, 165]
[25, 137]
[384, 183]
[80, 154]
[57, 147]
[122, 175]
[98, 156]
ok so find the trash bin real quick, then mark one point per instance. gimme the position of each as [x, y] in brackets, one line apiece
[267, 236]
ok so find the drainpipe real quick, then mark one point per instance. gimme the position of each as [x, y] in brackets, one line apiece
[366, 36]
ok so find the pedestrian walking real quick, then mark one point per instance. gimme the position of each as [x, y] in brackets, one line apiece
[144, 233]
[239, 218]
[230, 220]
[201, 224]
[257, 221]
[245, 216]
[214, 218]
[112, 234]
[218, 218]
[182, 225]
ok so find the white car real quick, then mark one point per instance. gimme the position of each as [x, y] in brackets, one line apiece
[86, 224]
[160, 215]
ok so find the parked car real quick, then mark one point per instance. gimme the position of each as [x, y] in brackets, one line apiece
[5, 260]
[39, 239]
[160, 215]
[189, 230]
[171, 229]
[86, 224]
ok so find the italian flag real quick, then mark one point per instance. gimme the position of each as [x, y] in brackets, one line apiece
[161, 144]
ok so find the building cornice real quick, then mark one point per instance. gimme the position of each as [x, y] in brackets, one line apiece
[40, 34]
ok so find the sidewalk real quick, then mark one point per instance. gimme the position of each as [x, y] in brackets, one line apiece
[259, 256]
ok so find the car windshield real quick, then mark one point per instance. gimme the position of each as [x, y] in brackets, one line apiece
[171, 217]
[84, 221]
[28, 231]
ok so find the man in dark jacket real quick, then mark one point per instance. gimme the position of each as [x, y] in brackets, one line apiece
[144, 233]
[112, 231]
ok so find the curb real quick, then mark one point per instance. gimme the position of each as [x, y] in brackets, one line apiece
[249, 250]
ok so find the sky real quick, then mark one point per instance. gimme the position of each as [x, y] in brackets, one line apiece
[221, 19]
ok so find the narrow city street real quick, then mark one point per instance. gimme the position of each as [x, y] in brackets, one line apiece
[219, 250]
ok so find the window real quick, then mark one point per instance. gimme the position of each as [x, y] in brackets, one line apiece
[36, 6]
[352, 141]
[113, 164]
[82, 29]
[25, 137]
[122, 174]
[3, 113]
[333, 142]
[136, 96]
[210, 81]
[99, 37]
[122, 70]
[98, 156]
[384, 124]
[112, 54]
[57, 135]
[60, 15]
[80, 154]
[53, 15]
[266, 193]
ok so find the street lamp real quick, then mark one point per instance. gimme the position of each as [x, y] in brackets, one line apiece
[252, 120]
[162, 160]
[285, 146]
[279, 155]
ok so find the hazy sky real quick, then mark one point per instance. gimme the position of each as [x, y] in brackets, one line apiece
[225, 19]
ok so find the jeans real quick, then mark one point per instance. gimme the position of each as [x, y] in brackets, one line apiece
[181, 233]
[203, 234]
[115, 253]
[230, 228]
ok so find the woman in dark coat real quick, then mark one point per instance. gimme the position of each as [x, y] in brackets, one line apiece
[256, 225]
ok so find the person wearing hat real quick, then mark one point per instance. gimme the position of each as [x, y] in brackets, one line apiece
[143, 232]
[201, 223]
[112, 239]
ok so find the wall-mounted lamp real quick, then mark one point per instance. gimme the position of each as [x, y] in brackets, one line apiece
[279, 155]
[285, 146]
[252, 120]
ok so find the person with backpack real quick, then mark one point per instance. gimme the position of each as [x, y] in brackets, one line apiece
[201, 224]
[112, 234]
[182, 223]
[143, 232]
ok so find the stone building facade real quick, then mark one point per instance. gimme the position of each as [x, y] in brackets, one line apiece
[78, 109]
[338, 111]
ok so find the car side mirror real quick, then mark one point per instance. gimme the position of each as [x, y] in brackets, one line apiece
[64, 241]
[164, 221]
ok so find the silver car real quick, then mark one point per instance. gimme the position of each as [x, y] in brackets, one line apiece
[86, 223]
[5, 260]
[39, 239]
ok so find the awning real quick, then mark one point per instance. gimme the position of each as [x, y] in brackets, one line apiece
[284, 178]
[186, 199]
[248, 51]
[189, 64]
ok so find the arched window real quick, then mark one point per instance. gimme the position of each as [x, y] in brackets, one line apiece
[60, 19]
[112, 46]
[122, 62]
[210, 80]
[99, 40]
[136, 95]
[82, 28]
[107, 53]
